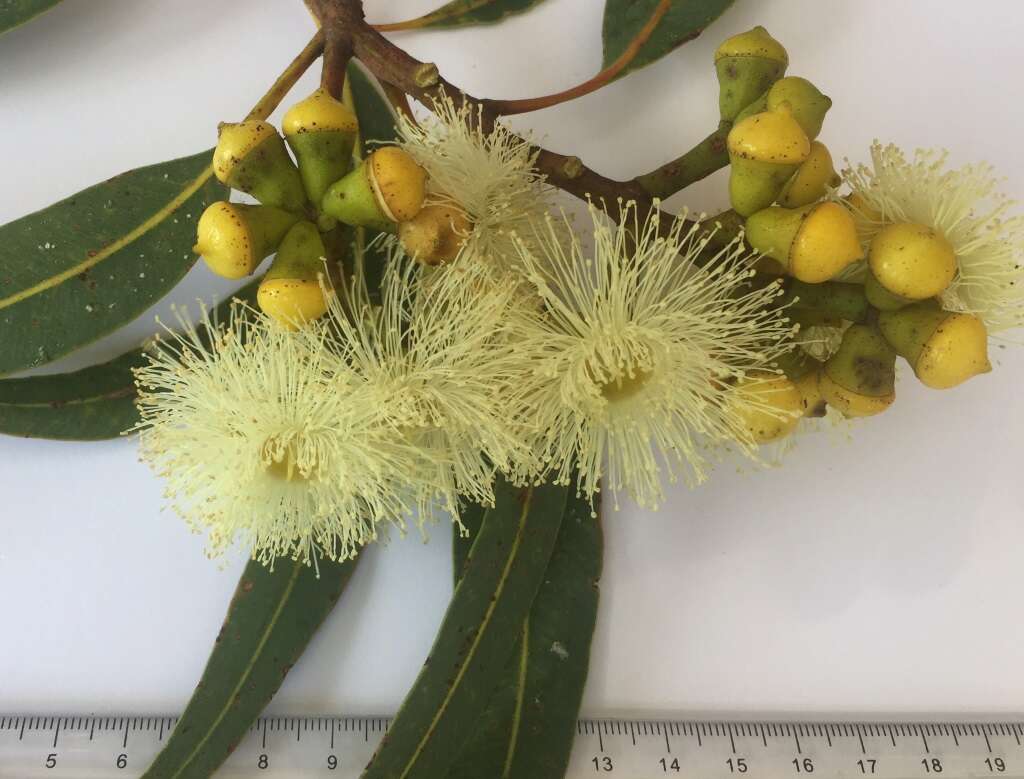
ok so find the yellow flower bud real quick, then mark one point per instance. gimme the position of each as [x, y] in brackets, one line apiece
[812, 400]
[321, 132]
[747, 64]
[812, 179]
[770, 407]
[944, 348]
[435, 235]
[233, 238]
[808, 105]
[813, 243]
[912, 260]
[387, 187]
[251, 157]
[861, 209]
[859, 380]
[291, 291]
[764, 152]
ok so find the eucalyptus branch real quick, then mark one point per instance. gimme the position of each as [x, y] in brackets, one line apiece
[699, 162]
[282, 86]
[525, 105]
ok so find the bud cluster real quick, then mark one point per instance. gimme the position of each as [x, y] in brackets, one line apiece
[306, 199]
[876, 281]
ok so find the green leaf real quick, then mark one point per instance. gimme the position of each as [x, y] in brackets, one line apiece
[528, 728]
[463, 13]
[87, 405]
[685, 20]
[14, 13]
[83, 267]
[376, 116]
[502, 574]
[271, 619]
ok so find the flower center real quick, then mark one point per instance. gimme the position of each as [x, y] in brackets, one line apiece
[626, 386]
[283, 464]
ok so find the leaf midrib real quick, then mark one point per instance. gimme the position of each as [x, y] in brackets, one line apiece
[517, 713]
[121, 392]
[115, 246]
[471, 652]
[297, 569]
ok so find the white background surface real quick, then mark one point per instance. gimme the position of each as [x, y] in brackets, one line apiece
[878, 575]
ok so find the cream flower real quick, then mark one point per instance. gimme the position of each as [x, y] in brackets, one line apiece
[435, 366]
[256, 432]
[637, 356]
[488, 175]
[965, 207]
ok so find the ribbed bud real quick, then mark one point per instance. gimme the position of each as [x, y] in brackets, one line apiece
[233, 238]
[812, 179]
[321, 132]
[944, 348]
[291, 291]
[859, 380]
[813, 243]
[765, 150]
[385, 188]
[747, 64]
[251, 157]
[435, 235]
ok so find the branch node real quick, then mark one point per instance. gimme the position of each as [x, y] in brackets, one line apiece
[572, 168]
[426, 75]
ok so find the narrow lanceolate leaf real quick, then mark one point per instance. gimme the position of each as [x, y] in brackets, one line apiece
[87, 265]
[685, 20]
[462, 13]
[271, 619]
[87, 405]
[528, 728]
[501, 576]
[14, 13]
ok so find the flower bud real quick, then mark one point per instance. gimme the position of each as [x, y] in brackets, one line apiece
[943, 347]
[808, 104]
[321, 132]
[859, 380]
[764, 152]
[291, 292]
[812, 179]
[912, 260]
[862, 210]
[251, 157]
[435, 235]
[387, 187]
[813, 243]
[233, 238]
[771, 407]
[747, 64]
[812, 400]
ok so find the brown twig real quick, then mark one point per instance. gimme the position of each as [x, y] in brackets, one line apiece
[525, 105]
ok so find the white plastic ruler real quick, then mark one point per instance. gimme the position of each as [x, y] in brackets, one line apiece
[122, 746]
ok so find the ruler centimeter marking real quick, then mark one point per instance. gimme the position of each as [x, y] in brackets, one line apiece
[123, 745]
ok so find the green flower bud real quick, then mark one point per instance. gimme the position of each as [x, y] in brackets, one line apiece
[233, 238]
[813, 243]
[291, 291]
[251, 157]
[859, 380]
[321, 132]
[812, 179]
[747, 64]
[943, 347]
[912, 260]
[387, 187]
[765, 150]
